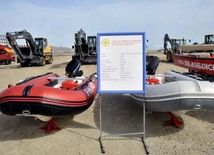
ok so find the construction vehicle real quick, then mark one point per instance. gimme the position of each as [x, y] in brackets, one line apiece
[175, 43]
[85, 50]
[209, 39]
[6, 53]
[33, 52]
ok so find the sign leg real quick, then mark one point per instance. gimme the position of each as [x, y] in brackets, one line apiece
[144, 125]
[100, 138]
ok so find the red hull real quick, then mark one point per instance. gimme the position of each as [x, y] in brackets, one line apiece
[200, 65]
[38, 96]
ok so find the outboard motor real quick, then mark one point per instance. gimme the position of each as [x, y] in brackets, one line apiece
[152, 63]
[72, 68]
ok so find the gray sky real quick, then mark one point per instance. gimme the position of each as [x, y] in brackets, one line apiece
[59, 20]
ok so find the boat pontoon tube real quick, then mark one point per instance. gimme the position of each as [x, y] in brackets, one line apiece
[178, 95]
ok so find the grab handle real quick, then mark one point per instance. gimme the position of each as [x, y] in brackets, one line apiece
[197, 107]
[26, 112]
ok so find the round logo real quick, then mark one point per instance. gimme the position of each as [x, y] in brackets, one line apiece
[105, 42]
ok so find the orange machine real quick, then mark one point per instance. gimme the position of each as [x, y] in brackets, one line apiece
[6, 53]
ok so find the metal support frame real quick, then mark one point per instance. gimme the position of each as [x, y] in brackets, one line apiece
[143, 133]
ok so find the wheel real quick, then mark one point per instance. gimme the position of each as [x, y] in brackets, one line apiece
[50, 60]
[7, 62]
[24, 64]
[42, 61]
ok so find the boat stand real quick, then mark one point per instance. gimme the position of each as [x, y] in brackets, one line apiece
[50, 126]
[122, 134]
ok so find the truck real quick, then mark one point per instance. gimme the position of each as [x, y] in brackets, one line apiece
[33, 51]
[85, 50]
[6, 52]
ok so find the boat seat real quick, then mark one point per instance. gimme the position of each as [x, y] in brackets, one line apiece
[69, 85]
[72, 68]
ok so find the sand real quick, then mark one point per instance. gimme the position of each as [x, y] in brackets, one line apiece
[79, 135]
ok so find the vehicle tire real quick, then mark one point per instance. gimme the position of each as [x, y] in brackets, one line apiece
[50, 60]
[24, 64]
[7, 62]
[42, 61]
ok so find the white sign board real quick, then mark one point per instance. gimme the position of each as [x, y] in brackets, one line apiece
[121, 63]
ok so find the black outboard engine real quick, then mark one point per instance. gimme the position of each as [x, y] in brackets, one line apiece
[152, 63]
[72, 69]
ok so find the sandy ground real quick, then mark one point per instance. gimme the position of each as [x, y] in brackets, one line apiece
[79, 135]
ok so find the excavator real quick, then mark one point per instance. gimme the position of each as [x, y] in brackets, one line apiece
[175, 43]
[6, 53]
[34, 52]
[85, 50]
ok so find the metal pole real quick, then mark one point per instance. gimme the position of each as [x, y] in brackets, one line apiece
[144, 116]
[100, 138]
[100, 96]
[144, 125]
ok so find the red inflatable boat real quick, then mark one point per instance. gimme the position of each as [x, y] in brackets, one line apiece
[49, 95]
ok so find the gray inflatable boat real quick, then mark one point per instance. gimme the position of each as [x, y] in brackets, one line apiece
[177, 92]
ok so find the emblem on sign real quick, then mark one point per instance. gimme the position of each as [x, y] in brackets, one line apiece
[105, 42]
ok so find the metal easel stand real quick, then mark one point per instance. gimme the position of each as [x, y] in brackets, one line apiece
[122, 134]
